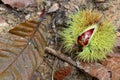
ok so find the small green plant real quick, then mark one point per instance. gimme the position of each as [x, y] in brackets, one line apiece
[84, 31]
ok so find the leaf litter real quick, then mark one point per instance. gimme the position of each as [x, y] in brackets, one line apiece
[43, 69]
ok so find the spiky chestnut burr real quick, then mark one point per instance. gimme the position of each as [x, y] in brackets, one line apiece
[96, 40]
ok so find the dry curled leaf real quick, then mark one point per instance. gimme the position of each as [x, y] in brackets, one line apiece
[62, 73]
[21, 50]
[19, 3]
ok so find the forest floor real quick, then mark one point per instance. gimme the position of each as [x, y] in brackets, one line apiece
[10, 16]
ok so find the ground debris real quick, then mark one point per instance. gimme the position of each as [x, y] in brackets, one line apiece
[60, 10]
[19, 3]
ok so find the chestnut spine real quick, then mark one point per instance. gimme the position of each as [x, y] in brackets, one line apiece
[101, 41]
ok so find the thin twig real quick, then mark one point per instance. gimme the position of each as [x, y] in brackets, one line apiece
[61, 56]
[64, 58]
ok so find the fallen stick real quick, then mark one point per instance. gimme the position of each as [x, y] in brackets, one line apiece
[61, 56]
[84, 68]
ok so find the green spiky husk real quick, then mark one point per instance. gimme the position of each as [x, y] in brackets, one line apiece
[101, 43]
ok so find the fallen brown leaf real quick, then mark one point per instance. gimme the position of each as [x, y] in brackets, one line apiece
[21, 50]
